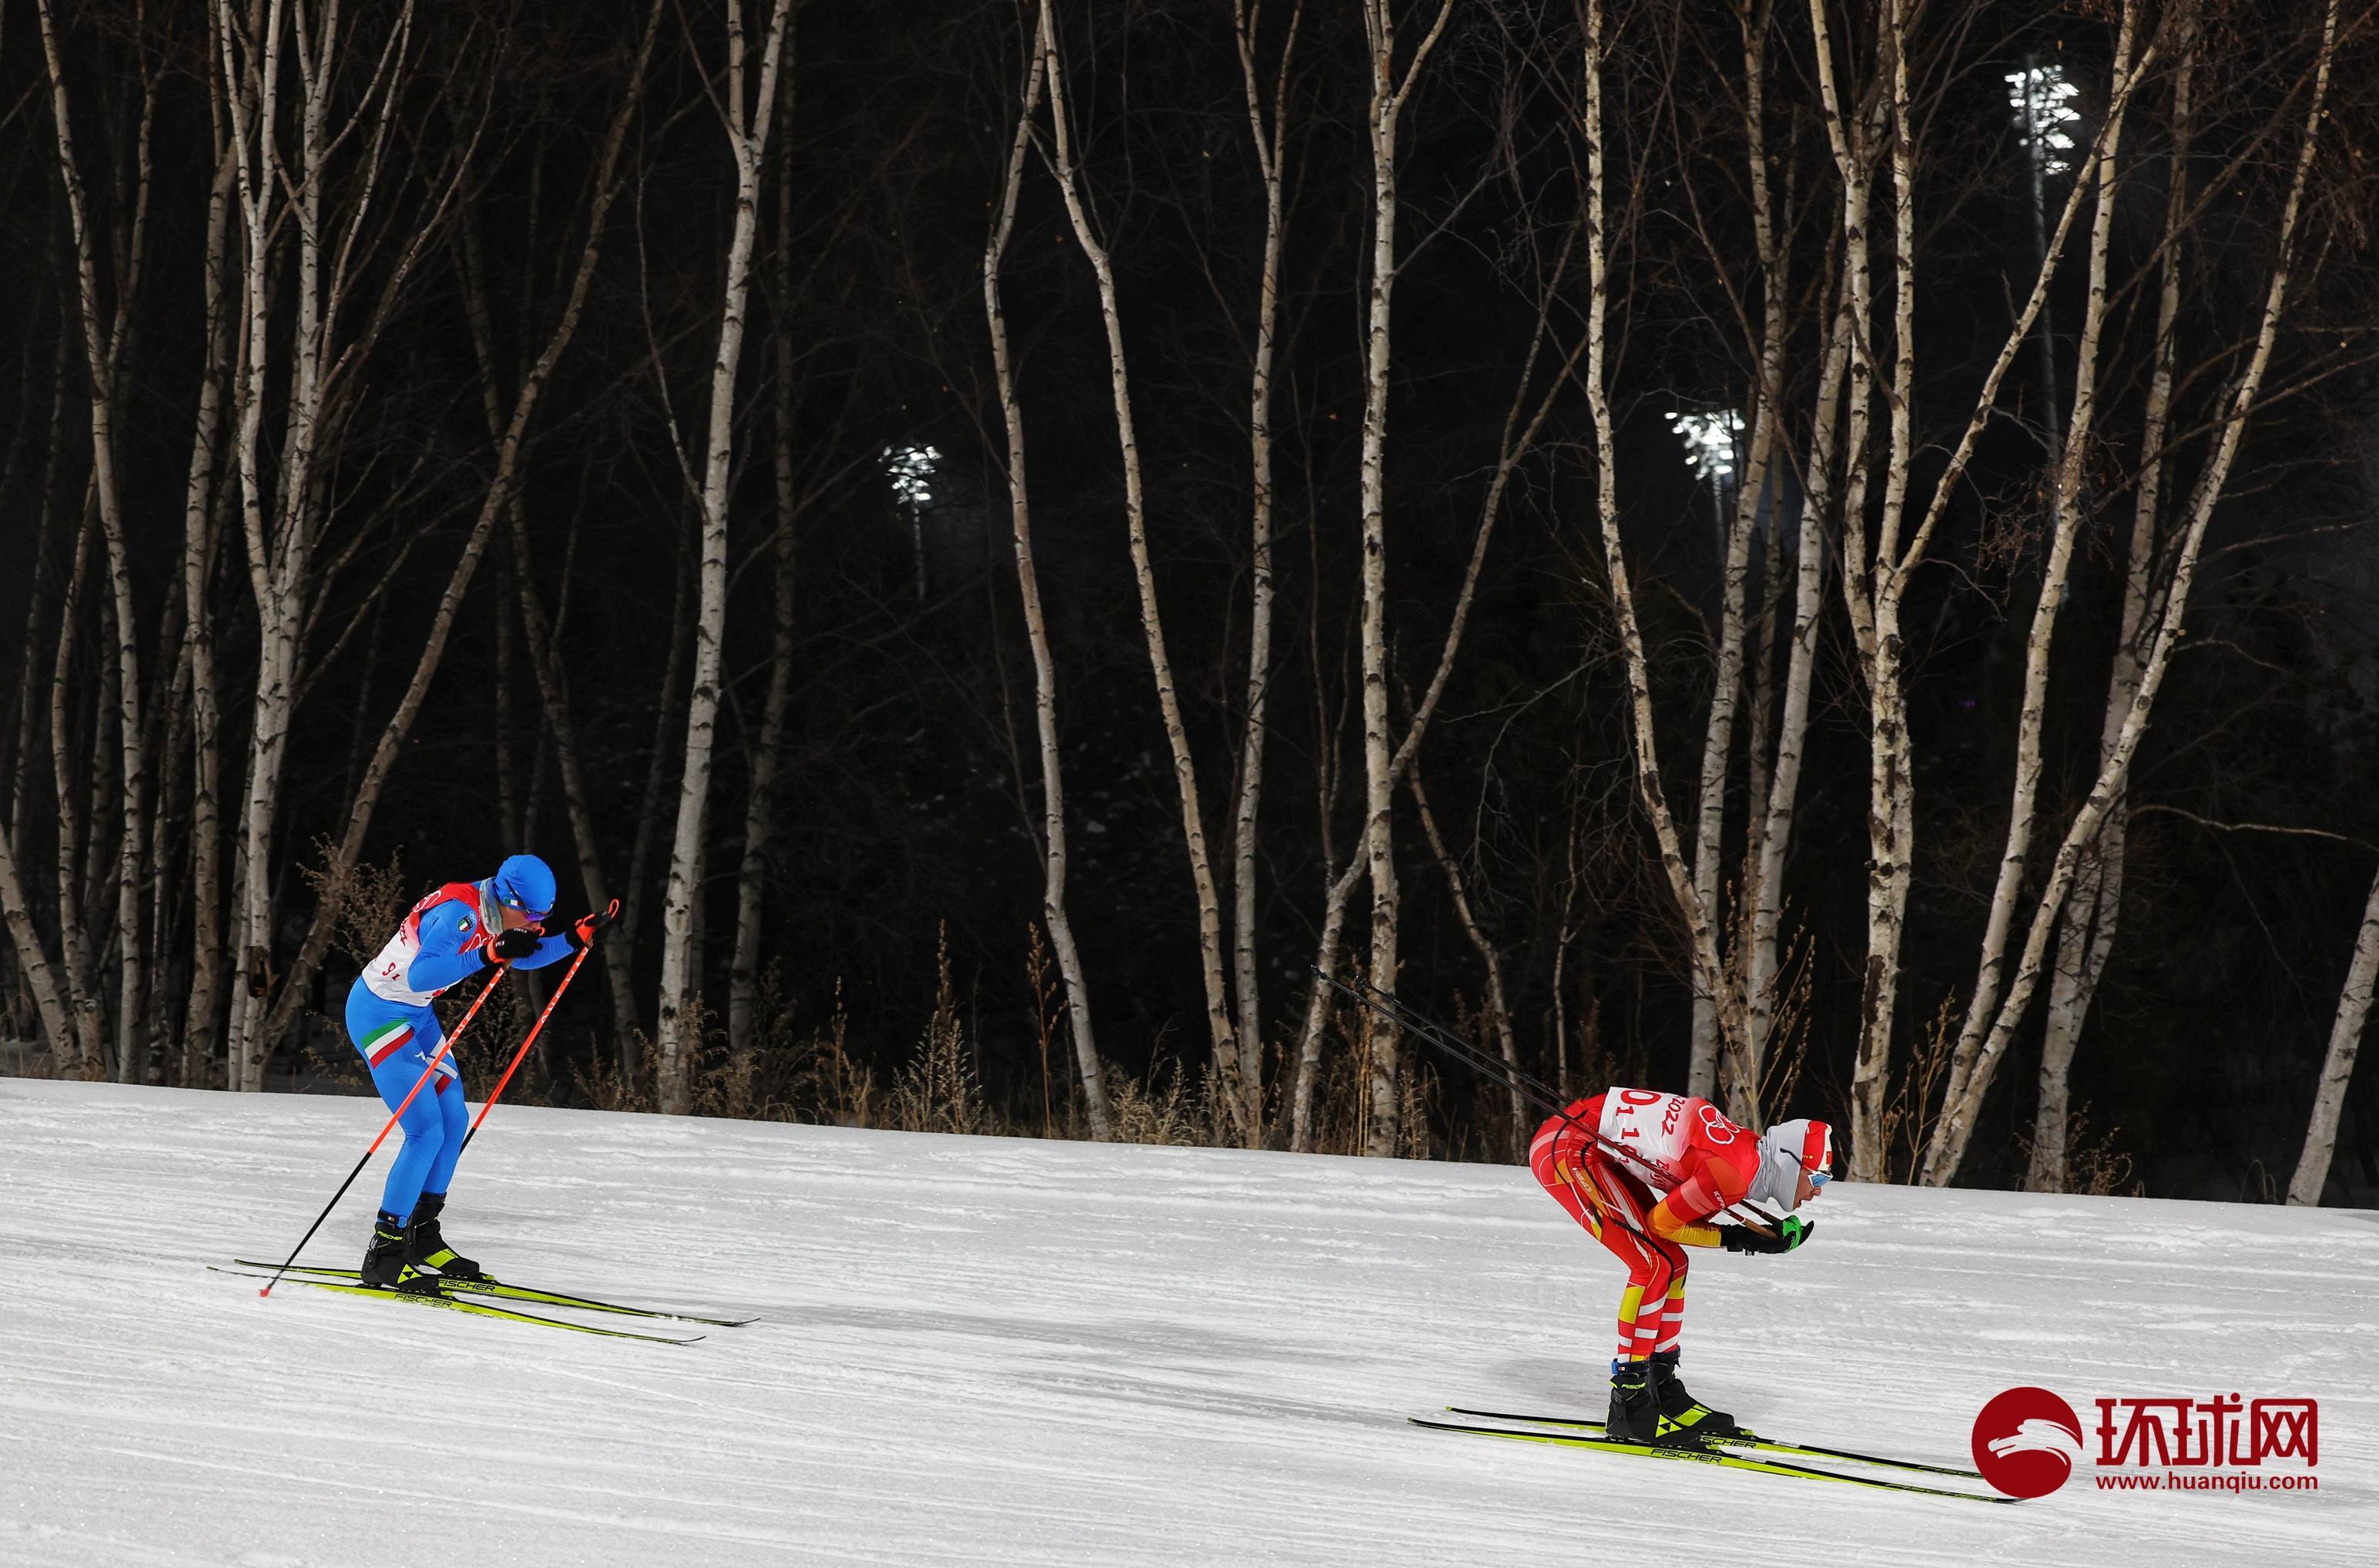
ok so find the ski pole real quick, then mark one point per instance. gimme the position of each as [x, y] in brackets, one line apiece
[607, 915]
[1372, 998]
[518, 1057]
[443, 1046]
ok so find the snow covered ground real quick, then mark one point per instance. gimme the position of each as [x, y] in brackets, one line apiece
[979, 1350]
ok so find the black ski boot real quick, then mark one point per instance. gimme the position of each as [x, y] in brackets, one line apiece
[428, 1249]
[384, 1261]
[1681, 1414]
[1634, 1415]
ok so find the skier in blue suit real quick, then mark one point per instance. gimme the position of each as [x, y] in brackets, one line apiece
[452, 934]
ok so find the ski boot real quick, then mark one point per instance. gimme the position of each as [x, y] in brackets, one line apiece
[428, 1249]
[1635, 1417]
[1681, 1414]
[384, 1261]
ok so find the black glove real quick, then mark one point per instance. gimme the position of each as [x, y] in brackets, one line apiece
[582, 931]
[518, 943]
[1790, 1231]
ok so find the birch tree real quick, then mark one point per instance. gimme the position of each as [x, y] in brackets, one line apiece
[1881, 559]
[1535, 391]
[78, 953]
[2093, 910]
[1389, 93]
[324, 377]
[1091, 1074]
[1710, 978]
[1971, 1075]
[104, 335]
[1498, 1009]
[743, 996]
[1752, 18]
[1269, 136]
[1221, 1031]
[2065, 511]
[2337, 1063]
[203, 496]
[748, 113]
[33, 957]
[545, 659]
[282, 491]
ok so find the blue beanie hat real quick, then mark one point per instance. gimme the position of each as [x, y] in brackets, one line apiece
[525, 883]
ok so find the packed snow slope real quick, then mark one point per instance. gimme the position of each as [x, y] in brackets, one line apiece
[982, 1350]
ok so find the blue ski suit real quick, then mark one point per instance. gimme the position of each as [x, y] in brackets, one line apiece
[395, 1030]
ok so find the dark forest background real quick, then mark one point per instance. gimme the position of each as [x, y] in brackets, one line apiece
[899, 967]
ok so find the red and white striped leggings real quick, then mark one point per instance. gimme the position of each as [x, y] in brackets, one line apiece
[1613, 1204]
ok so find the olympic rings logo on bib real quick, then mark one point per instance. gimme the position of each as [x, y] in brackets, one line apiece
[1717, 1129]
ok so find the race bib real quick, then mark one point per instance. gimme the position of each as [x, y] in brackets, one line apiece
[1653, 1127]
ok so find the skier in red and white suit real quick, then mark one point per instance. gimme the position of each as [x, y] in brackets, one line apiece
[1647, 1173]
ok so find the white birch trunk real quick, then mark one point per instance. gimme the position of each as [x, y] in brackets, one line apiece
[1088, 1071]
[1709, 972]
[32, 959]
[742, 970]
[103, 344]
[1387, 102]
[281, 510]
[1271, 142]
[1702, 1076]
[1222, 1035]
[79, 961]
[631, 1043]
[1853, 139]
[1891, 835]
[1773, 830]
[2094, 910]
[199, 535]
[1518, 440]
[747, 127]
[2337, 1063]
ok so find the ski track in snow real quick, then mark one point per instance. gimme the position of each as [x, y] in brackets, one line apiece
[1008, 1351]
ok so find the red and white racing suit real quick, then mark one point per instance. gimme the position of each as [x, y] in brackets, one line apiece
[1645, 1172]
